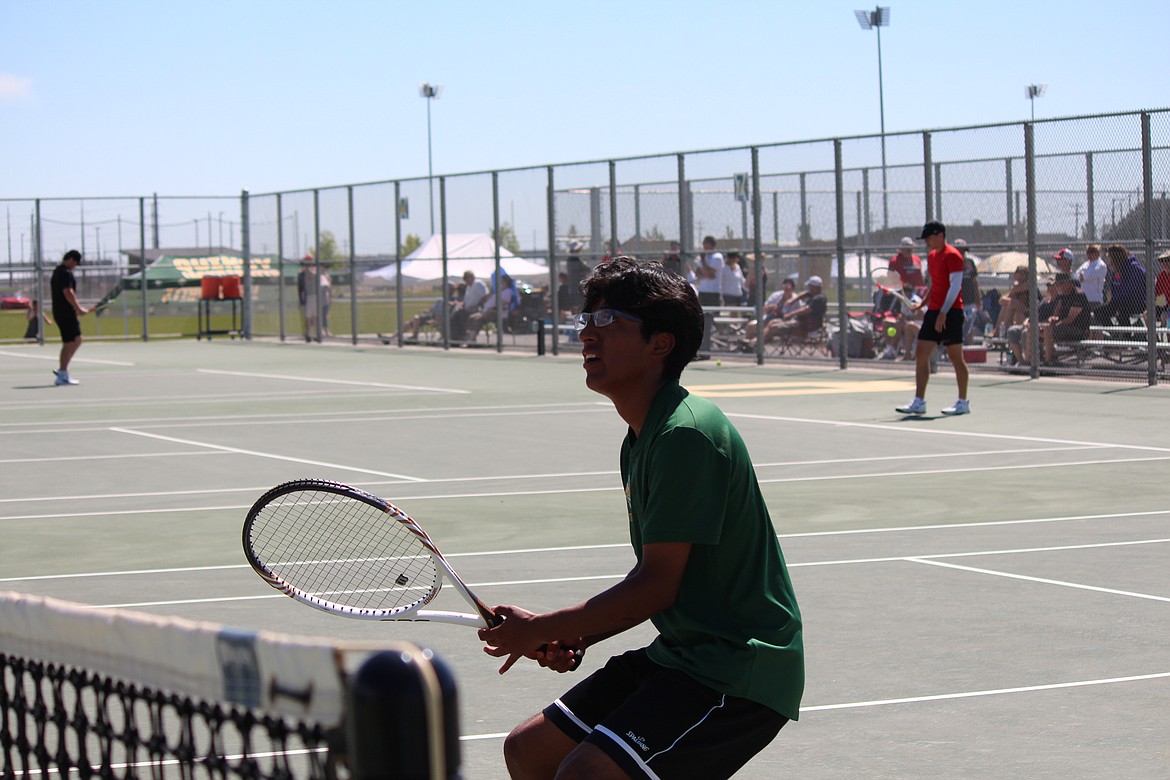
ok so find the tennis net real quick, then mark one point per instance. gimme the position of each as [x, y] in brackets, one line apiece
[93, 692]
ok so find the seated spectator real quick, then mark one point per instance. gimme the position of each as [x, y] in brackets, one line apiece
[1018, 336]
[1069, 317]
[780, 302]
[474, 294]
[431, 316]
[1162, 291]
[35, 316]
[806, 318]
[1013, 304]
[894, 322]
[908, 265]
[1126, 286]
[1092, 276]
[487, 311]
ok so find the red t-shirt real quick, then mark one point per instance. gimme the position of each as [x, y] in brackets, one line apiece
[1162, 287]
[909, 269]
[940, 265]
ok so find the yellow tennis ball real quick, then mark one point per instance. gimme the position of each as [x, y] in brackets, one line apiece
[891, 331]
[718, 362]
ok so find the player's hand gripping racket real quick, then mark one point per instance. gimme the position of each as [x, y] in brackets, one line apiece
[888, 281]
[348, 552]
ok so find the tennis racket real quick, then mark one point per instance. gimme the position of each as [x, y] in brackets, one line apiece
[888, 281]
[350, 553]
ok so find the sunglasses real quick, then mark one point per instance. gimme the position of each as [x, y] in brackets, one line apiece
[601, 318]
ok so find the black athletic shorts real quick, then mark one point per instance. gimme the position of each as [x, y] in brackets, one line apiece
[951, 334]
[659, 722]
[68, 325]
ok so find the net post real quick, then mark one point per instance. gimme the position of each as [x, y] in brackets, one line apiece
[402, 718]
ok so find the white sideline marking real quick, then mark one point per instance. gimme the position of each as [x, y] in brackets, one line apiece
[939, 432]
[992, 692]
[1042, 580]
[273, 456]
[54, 357]
[331, 381]
[936, 697]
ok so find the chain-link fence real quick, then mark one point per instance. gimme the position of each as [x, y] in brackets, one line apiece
[392, 262]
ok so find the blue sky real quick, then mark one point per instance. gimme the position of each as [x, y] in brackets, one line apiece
[129, 98]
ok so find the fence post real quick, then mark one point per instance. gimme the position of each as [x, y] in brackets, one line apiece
[1090, 197]
[758, 250]
[398, 319]
[39, 265]
[938, 211]
[614, 251]
[1151, 263]
[842, 309]
[443, 245]
[1009, 215]
[684, 232]
[280, 265]
[927, 176]
[318, 304]
[498, 282]
[1034, 286]
[246, 251]
[142, 258]
[553, 282]
[353, 301]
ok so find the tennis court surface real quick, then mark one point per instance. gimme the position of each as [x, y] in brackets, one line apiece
[983, 596]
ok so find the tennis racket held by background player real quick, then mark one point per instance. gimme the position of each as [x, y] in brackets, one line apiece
[888, 281]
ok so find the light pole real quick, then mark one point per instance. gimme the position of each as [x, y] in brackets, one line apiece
[430, 92]
[1033, 91]
[876, 19]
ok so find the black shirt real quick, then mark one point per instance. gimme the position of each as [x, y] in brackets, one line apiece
[61, 281]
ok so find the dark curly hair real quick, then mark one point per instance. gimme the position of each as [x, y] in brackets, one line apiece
[664, 302]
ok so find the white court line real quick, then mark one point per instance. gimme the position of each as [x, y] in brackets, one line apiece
[176, 602]
[242, 420]
[939, 432]
[968, 470]
[935, 697]
[186, 454]
[340, 416]
[54, 357]
[975, 554]
[622, 545]
[269, 455]
[992, 692]
[188, 569]
[1041, 580]
[254, 489]
[980, 524]
[357, 383]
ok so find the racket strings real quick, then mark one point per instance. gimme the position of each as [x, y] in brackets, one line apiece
[344, 552]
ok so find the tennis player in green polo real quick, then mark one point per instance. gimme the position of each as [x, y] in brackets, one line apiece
[726, 671]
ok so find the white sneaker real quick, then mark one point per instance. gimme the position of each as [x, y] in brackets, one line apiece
[962, 406]
[63, 378]
[917, 406]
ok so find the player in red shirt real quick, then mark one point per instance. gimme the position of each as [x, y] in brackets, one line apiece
[943, 323]
[907, 265]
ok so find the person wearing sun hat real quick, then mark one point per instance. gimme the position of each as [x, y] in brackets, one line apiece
[943, 323]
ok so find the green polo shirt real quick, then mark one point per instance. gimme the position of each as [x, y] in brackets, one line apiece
[735, 625]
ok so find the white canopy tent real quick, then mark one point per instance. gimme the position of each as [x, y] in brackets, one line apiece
[473, 252]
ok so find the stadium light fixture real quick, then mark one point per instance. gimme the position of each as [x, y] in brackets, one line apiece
[876, 19]
[1033, 91]
[430, 92]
